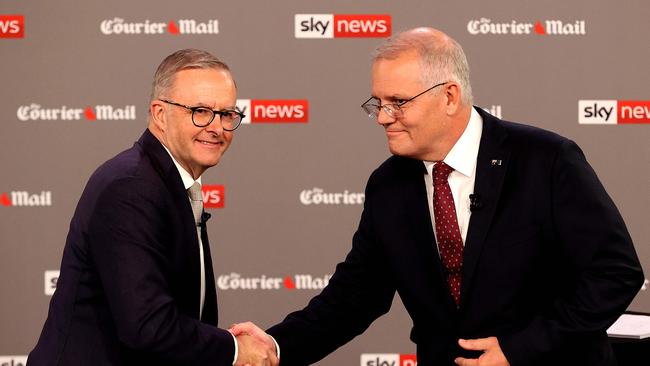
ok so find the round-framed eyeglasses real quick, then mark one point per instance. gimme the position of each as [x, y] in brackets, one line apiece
[202, 116]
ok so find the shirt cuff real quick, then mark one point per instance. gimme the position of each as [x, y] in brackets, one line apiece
[237, 349]
[277, 347]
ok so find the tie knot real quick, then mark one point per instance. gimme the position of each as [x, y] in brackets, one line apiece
[195, 192]
[441, 172]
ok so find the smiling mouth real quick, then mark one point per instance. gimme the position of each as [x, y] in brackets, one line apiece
[210, 143]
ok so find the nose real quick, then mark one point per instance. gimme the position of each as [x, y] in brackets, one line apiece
[215, 127]
[384, 118]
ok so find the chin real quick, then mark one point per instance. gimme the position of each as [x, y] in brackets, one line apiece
[396, 150]
[208, 163]
[213, 163]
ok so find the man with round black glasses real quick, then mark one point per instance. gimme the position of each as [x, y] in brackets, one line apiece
[498, 237]
[136, 285]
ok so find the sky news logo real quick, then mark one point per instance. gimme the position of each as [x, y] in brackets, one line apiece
[12, 26]
[119, 26]
[542, 28]
[388, 359]
[342, 25]
[235, 281]
[274, 110]
[100, 112]
[13, 360]
[214, 196]
[51, 277]
[612, 112]
[26, 199]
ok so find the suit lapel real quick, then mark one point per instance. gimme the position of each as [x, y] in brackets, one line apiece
[210, 314]
[491, 166]
[416, 207]
[419, 226]
[189, 251]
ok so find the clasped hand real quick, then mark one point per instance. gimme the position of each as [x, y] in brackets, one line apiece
[255, 347]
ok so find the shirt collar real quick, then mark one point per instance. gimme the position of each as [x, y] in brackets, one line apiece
[462, 156]
[188, 181]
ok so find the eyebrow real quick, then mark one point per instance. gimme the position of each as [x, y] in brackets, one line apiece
[390, 98]
[203, 105]
[396, 97]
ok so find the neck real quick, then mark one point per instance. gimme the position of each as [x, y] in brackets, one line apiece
[456, 125]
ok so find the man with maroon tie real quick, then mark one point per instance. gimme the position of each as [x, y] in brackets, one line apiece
[498, 237]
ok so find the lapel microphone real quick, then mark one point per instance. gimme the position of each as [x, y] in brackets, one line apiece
[205, 216]
[475, 202]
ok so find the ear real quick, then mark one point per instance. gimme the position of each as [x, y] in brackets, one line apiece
[453, 97]
[157, 111]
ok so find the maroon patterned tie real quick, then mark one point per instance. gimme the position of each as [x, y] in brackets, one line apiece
[450, 243]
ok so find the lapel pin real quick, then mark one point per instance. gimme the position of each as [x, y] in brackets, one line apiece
[496, 162]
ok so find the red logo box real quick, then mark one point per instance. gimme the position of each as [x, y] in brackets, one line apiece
[214, 196]
[633, 111]
[362, 26]
[408, 360]
[273, 111]
[12, 26]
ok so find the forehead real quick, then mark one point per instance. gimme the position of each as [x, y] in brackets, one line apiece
[399, 75]
[203, 85]
[189, 79]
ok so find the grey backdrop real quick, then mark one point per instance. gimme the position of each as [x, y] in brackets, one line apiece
[264, 230]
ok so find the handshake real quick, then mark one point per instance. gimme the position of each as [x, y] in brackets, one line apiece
[254, 346]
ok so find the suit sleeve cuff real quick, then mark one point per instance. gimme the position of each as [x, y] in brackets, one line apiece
[277, 347]
[236, 349]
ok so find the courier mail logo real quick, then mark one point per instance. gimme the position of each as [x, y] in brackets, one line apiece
[495, 110]
[274, 110]
[51, 278]
[317, 196]
[13, 360]
[100, 112]
[24, 198]
[388, 359]
[235, 281]
[12, 26]
[611, 112]
[542, 28]
[342, 25]
[119, 26]
[214, 196]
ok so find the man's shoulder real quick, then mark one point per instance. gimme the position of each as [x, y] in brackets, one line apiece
[396, 169]
[529, 133]
[520, 134]
[129, 172]
[126, 164]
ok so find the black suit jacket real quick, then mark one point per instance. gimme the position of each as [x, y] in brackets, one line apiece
[128, 291]
[548, 262]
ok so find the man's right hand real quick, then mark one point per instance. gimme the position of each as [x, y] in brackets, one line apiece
[254, 352]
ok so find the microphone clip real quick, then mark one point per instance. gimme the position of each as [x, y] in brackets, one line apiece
[475, 203]
[205, 216]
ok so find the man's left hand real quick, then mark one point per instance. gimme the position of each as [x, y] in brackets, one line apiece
[492, 354]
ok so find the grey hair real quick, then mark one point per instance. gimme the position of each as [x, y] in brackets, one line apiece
[180, 60]
[442, 59]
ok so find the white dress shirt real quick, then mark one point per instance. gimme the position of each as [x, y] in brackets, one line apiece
[188, 181]
[461, 157]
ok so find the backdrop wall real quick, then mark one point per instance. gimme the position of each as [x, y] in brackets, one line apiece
[76, 78]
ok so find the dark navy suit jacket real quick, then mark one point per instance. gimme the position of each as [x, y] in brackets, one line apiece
[548, 263]
[128, 291]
